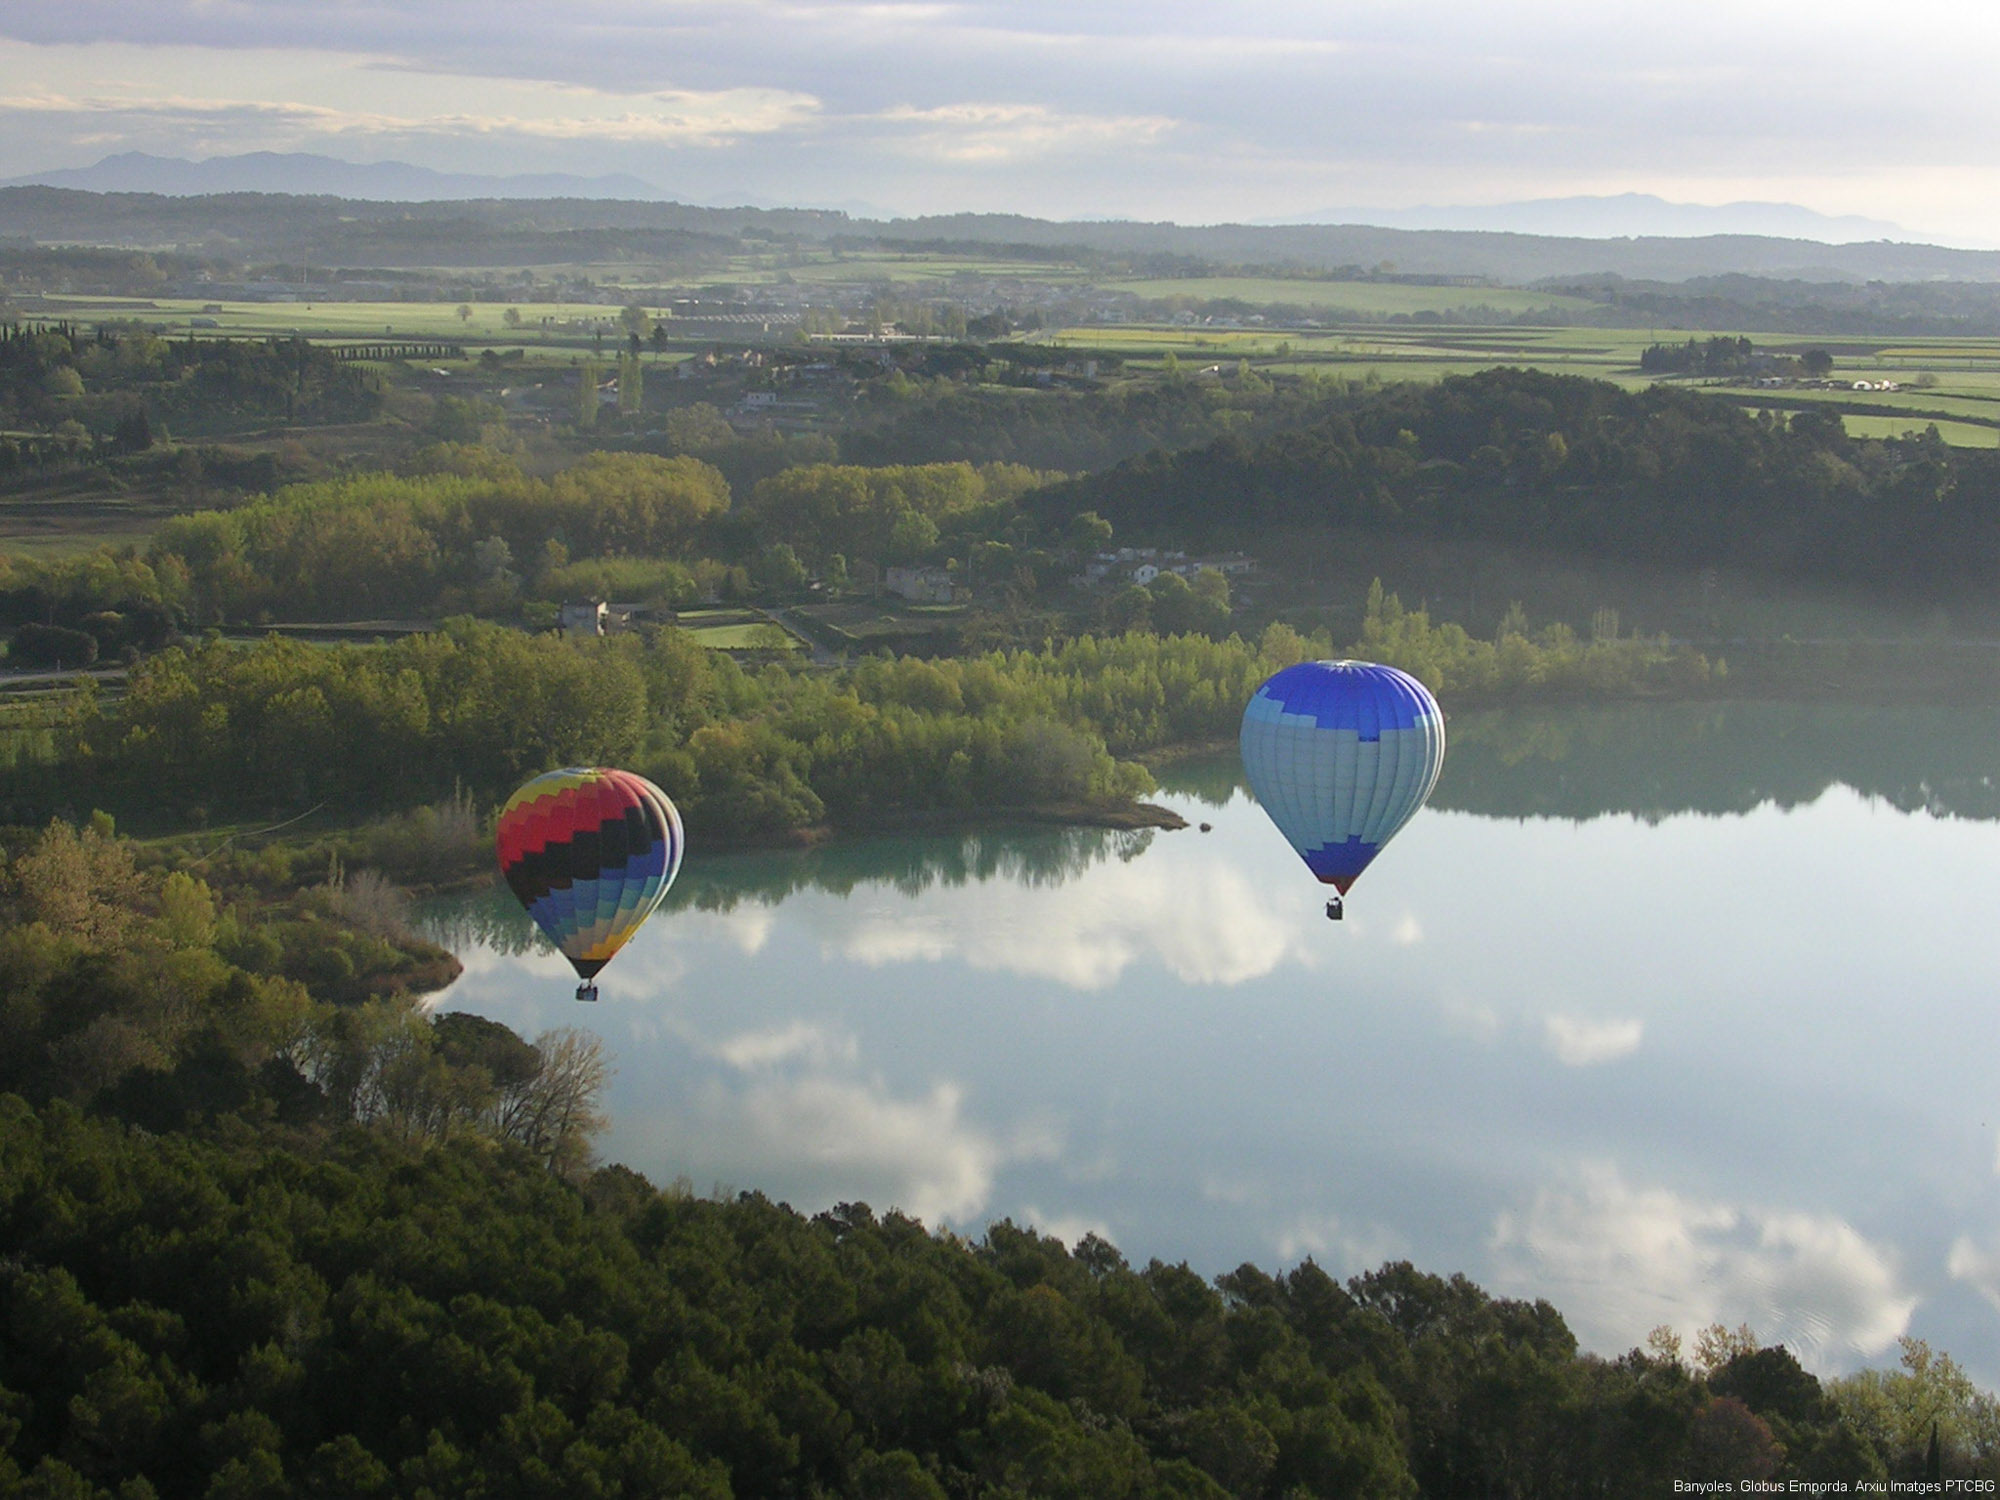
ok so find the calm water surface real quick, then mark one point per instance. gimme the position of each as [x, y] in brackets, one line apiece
[1669, 1015]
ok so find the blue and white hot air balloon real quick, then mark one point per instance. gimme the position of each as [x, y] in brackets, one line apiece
[1342, 754]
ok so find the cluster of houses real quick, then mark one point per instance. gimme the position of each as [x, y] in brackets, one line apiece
[1772, 382]
[1141, 565]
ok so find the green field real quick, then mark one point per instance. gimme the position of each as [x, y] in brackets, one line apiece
[758, 637]
[1963, 400]
[85, 538]
[863, 624]
[1942, 354]
[736, 630]
[1961, 389]
[1958, 434]
[1364, 298]
[353, 320]
[1978, 414]
[912, 268]
[1429, 353]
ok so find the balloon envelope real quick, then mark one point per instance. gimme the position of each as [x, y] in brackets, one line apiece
[589, 851]
[1341, 754]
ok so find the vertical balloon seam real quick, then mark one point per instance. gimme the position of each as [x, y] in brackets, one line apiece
[1383, 693]
[1389, 810]
[1408, 796]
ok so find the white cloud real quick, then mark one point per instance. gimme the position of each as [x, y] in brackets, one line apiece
[1204, 923]
[985, 134]
[912, 939]
[801, 1115]
[1236, 1190]
[676, 118]
[1071, 1229]
[1339, 1247]
[857, 1141]
[1183, 110]
[1621, 1260]
[749, 927]
[1978, 1266]
[801, 1040]
[1475, 1020]
[1581, 1042]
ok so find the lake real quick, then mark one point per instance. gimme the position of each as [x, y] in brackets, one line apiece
[1669, 1014]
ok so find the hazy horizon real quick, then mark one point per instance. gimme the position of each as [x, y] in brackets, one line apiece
[1624, 215]
[1264, 112]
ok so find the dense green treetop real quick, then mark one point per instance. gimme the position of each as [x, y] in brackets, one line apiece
[894, 513]
[384, 544]
[1074, 430]
[50, 375]
[367, 1314]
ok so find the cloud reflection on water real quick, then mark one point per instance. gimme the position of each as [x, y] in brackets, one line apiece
[1581, 1042]
[1205, 923]
[797, 1100]
[801, 1039]
[1346, 1249]
[1978, 1266]
[1620, 1260]
[918, 1154]
[1230, 1077]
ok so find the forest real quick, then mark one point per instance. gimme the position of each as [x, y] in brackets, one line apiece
[1661, 476]
[66, 379]
[345, 1315]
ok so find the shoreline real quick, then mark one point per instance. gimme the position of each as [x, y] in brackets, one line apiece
[942, 820]
[1128, 816]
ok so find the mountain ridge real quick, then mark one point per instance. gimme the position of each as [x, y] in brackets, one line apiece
[343, 231]
[1620, 216]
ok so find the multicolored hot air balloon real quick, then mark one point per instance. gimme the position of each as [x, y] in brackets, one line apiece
[1342, 754]
[590, 851]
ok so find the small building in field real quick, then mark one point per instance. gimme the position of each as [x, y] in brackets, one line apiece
[585, 619]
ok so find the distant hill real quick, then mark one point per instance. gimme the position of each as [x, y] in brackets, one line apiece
[495, 230]
[309, 175]
[1621, 215]
[1515, 259]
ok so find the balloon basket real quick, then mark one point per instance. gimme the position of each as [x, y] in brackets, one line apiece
[586, 992]
[1335, 910]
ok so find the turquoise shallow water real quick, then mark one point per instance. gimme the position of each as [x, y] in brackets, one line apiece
[1671, 1015]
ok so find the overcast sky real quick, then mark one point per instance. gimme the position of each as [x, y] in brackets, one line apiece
[1193, 110]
